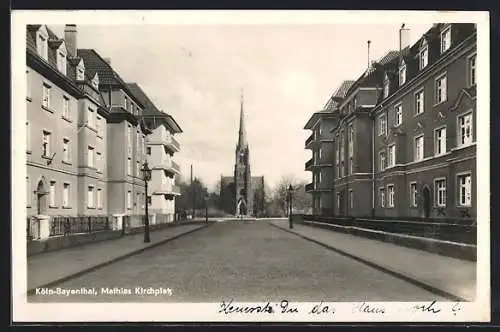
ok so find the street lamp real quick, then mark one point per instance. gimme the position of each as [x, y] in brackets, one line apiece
[290, 192]
[206, 208]
[146, 175]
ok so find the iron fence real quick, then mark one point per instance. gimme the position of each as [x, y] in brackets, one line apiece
[64, 225]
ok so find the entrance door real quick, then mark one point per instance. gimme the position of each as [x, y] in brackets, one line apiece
[426, 196]
[41, 198]
[242, 209]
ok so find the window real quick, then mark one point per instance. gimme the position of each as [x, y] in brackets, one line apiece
[390, 196]
[351, 141]
[66, 150]
[28, 85]
[28, 192]
[46, 96]
[66, 113]
[129, 200]
[351, 199]
[471, 64]
[464, 190]
[398, 112]
[98, 125]
[41, 46]
[90, 118]
[440, 141]
[66, 193]
[137, 143]
[391, 156]
[419, 102]
[424, 57]
[28, 137]
[382, 161]
[382, 125]
[418, 148]
[125, 103]
[129, 140]
[46, 144]
[98, 161]
[386, 87]
[52, 194]
[80, 73]
[90, 197]
[148, 150]
[413, 194]
[382, 197]
[465, 129]
[402, 74]
[95, 82]
[138, 199]
[99, 198]
[441, 89]
[143, 144]
[440, 192]
[351, 166]
[138, 169]
[61, 62]
[129, 166]
[90, 157]
[445, 39]
[338, 201]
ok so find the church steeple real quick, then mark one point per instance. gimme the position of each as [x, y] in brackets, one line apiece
[242, 138]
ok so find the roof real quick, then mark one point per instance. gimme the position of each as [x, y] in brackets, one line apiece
[107, 75]
[150, 109]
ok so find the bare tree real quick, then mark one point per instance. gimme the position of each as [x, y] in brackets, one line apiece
[301, 200]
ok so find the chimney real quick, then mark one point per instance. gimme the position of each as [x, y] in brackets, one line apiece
[70, 38]
[108, 61]
[404, 37]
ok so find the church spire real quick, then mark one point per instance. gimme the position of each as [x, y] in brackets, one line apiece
[242, 138]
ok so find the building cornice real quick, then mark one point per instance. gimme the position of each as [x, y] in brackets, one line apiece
[49, 72]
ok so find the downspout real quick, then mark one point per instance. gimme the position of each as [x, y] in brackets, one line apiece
[373, 165]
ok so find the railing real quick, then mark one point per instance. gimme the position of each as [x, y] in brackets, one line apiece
[309, 187]
[310, 139]
[63, 225]
[309, 163]
[176, 167]
[175, 143]
[456, 230]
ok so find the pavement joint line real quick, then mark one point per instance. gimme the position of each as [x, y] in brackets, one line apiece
[412, 280]
[32, 291]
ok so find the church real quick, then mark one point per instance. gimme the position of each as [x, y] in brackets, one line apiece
[242, 194]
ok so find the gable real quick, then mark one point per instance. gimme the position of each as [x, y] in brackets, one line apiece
[463, 101]
[43, 31]
[62, 48]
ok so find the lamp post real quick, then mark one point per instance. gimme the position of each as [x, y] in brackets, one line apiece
[146, 175]
[206, 208]
[290, 204]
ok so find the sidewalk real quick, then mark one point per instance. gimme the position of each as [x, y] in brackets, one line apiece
[53, 267]
[451, 276]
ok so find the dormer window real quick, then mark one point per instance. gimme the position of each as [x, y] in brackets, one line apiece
[42, 37]
[61, 59]
[95, 82]
[445, 39]
[402, 73]
[423, 55]
[125, 103]
[80, 71]
[386, 86]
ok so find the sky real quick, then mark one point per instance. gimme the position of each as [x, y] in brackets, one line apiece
[196, 74]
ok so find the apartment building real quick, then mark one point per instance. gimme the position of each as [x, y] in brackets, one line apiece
[160, 148]
[405, 141]
[321, 144]
[425, 137]
[126, 137]
[52, 105]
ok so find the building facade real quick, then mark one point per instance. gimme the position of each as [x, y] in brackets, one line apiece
[404, 145]
[242, 194]
[160, 148]
[85, 133]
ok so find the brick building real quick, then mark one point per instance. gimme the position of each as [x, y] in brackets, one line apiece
[405, 141]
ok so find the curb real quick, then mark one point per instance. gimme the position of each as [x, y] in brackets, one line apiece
[114, 260]
[394, 273]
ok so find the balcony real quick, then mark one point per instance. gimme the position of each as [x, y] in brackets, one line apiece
[166, 188]
[309, 164]
[309, 141]
[309, 187]
[172, 144]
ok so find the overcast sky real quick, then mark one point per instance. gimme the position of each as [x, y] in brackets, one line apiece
[195, 73]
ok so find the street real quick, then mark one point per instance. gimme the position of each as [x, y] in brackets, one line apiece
[244, 261]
